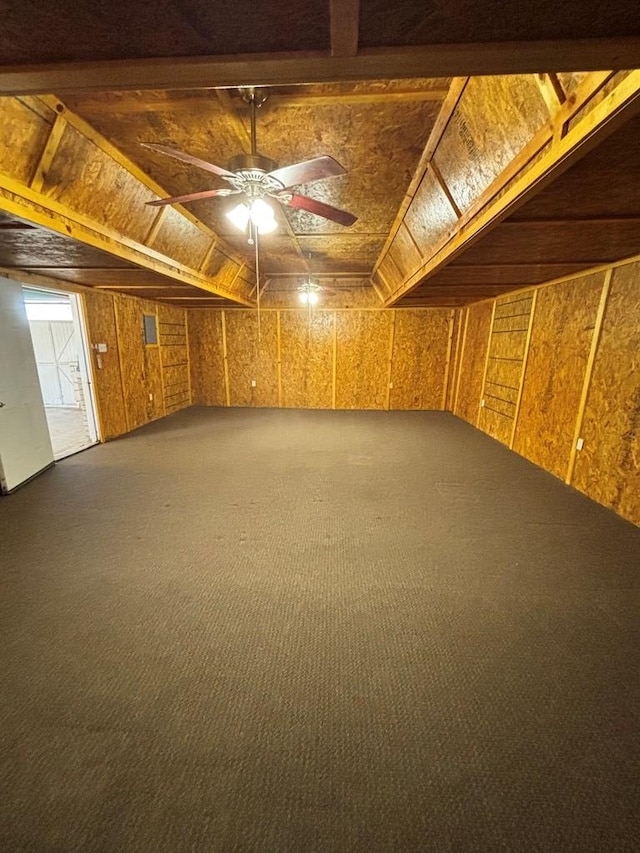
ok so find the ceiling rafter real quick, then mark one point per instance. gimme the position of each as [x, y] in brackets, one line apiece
[292, 68]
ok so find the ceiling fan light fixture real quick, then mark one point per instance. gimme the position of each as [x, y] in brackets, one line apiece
[259, 212]
[239, 216]
[309, 293]
[262, 216]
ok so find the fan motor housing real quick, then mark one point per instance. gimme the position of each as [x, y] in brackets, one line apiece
[249, 162]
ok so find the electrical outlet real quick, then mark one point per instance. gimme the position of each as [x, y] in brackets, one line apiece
[580, 444]
[253, 383]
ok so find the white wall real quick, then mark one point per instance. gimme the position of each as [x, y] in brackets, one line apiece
[25, 446]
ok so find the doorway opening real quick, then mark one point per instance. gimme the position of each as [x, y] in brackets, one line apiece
[59, 344]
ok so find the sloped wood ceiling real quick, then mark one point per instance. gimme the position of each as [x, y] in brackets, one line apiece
[382, 87]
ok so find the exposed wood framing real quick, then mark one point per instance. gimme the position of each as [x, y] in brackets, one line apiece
[161, 359]
[19, 200]
[279, 359]
[345, 17]
[618, 106]
[523, 372]
[177, 105]
[225, 358]
[155, 227]
[207, 255]
[334, 366]
[447, 364]
[486, 362]
[456, 360]
[48, 154]
[89, 132]
[127, 418]
[186, 332]
[460, 359]
[437, 174]
[551, 91]
[377, 290]
[441, 60]
[586, 385]
[412, 239]
[392, 332]
[444, 117]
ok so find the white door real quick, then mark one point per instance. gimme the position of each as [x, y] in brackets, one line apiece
[84, 366]
[25, 446]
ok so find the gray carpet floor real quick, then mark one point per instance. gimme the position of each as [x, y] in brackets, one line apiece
[279, 631]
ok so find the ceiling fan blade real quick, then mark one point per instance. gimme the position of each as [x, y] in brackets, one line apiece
[319, 208]
[181, 199]
[308, 171]
[188, 158]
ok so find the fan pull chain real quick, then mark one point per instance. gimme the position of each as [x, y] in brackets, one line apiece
[258, 283]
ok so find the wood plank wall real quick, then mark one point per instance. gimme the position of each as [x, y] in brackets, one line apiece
[577, 376]
[134, 382]
[349, 359]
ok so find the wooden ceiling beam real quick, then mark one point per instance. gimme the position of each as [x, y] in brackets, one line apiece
[177, 105]
[205, 72]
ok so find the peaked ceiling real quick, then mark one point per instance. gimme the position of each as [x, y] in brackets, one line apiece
[363, 82]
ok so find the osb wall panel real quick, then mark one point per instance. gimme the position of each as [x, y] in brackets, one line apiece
[362, 356]
[88, 180]
[495, 118]
[390, 273]
[180, 239]
[472, 361]
[140, 364]
[507, 346]
[306, 359]
[420, 343]
[608, 467]
[222, 269]
[430, 215]
[561, 336]
[404, 252]
[174, 357]
[206, 358]
[107, 380]
[23, 135]
[252, 360]
[336, 294]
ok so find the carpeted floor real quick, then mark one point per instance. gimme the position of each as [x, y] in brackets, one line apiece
[298, 632]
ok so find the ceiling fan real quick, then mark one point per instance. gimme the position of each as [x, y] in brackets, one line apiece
[257, 178]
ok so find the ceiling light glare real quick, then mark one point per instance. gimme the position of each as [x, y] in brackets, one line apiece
[263, 217]
[239, 216]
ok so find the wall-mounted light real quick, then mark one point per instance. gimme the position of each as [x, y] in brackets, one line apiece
[259, 212]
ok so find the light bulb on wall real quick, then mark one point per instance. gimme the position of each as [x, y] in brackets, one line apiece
[260, 213]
